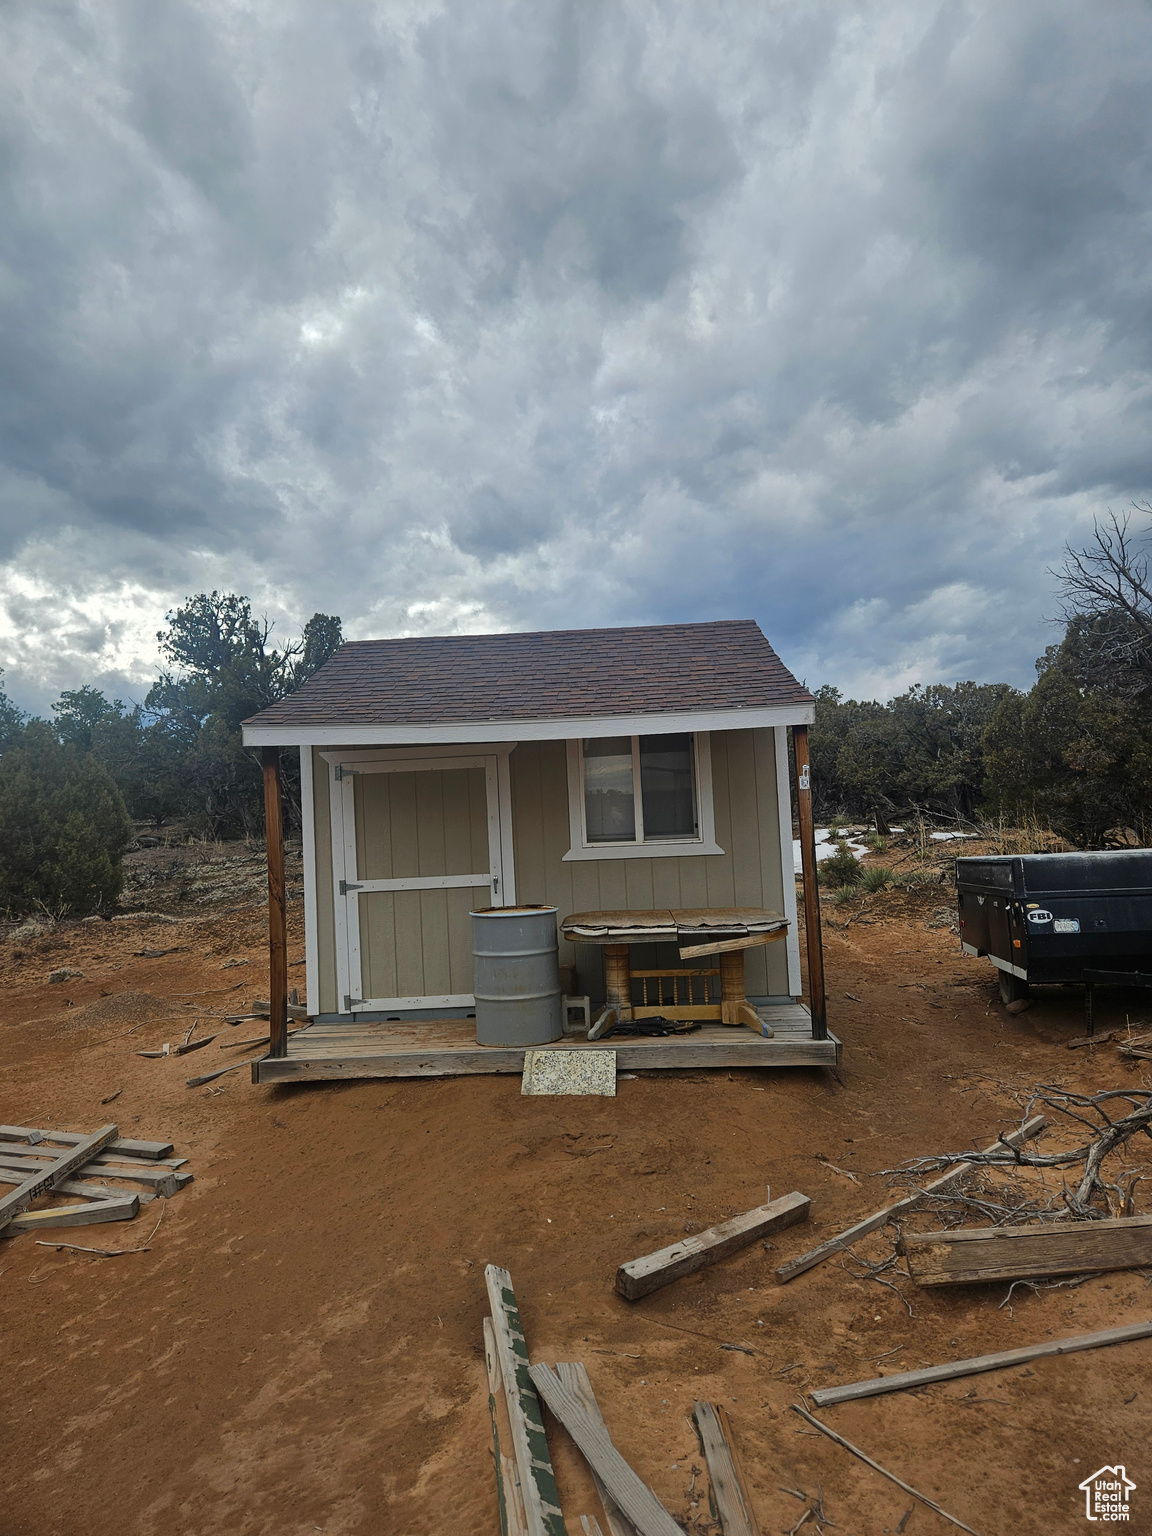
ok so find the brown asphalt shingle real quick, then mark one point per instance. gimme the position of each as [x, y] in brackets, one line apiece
[657, 669]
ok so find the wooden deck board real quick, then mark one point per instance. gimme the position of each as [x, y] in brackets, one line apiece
[448, 1048]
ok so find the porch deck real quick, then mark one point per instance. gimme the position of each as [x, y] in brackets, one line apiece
[448, 1048]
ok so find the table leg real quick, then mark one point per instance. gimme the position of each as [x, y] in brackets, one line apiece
[618, 979]
[734, 1005]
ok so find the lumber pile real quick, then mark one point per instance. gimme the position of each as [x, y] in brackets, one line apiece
[111, 1176]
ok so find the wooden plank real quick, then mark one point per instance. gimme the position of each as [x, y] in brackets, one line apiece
[985, 1254]
[13, 1151]
[727, 946]
[513, 1520]
[277, 904]
[149, 1149]
[164, 1180]
[639, 1277]
[20, 1198]
[746, 1050]
[193, 1045]
[817, 1255]
[634, 1497]
[86, 1215]
[529, 1442]
[903, 1381]
[575, 1378]
[728, 1489]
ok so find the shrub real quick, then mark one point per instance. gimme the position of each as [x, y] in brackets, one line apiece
[876, 841]
[63, 828]
[843, 868]
[877, 879]
[844, 893]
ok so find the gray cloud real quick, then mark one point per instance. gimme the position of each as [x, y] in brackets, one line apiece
[495, 315]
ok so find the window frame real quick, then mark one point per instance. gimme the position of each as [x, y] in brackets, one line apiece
[676, 848]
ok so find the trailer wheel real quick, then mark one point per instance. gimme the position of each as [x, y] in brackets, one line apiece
[1011, 987]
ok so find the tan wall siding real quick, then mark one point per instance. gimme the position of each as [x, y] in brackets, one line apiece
[747, 874]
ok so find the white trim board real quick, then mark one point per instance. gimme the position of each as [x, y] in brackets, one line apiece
[489, 732]
[311, 914]
[658, 848]
[787, 859]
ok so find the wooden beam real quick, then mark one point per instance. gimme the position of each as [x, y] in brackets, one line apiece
[984, 1254]
[639, 1277]
[634, 1497]
[813, 941]
[72, 1138]
[529, 1442]
[277, 905]
[575, 1378]
[727, 946]
[44, 1179]
[903, 1381]
[729, 1490]
[513, 1520]
[86, 1215]
[880, 1218]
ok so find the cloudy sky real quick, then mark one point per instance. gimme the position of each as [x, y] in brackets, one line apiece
[479, 316]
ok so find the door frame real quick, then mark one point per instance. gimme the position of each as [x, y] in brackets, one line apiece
[343, 767]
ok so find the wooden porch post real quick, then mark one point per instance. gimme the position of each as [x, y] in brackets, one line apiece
[812, 938]
[277, 906]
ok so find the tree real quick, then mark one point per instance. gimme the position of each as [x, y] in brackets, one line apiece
[63, 827]
[12, 719]
[79, 711]
[223, 669]
[1107, 601]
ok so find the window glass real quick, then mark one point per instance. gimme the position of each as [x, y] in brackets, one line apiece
[609, 800]
[666, 787]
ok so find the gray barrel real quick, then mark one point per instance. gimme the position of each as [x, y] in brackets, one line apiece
[516, 976]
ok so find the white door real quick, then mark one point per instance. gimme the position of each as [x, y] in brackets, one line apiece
[417, 845]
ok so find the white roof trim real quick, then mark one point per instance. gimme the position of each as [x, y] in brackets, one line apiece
[398, 734]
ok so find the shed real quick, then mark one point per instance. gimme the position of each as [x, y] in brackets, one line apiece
[633, 773]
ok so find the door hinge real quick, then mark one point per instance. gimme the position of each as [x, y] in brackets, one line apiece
[340, 772]
[345, 887]
[352, 1002]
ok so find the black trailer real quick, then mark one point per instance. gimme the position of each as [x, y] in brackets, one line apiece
[1058, 917]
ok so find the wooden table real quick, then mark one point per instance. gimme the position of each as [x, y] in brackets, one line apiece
[680, 992]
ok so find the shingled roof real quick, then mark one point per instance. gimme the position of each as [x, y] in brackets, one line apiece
[553, 674]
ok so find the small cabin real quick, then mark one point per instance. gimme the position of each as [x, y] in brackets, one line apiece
[619, 775]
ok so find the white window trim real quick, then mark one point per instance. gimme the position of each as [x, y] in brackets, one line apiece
[662, 848]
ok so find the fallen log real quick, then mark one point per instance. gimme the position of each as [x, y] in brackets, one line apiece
[639, 1277]
[986, 1254]
[904, 1381]
[880, 1218]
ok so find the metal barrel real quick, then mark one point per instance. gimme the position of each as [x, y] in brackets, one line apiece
[516, 976]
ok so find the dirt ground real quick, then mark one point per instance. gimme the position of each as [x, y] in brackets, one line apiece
[298, 1348]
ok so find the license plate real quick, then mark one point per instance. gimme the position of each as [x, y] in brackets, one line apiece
[1066, 925]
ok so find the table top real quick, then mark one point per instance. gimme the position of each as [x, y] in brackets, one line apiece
[668, 924]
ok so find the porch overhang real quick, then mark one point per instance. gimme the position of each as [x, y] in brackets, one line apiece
[399, 733]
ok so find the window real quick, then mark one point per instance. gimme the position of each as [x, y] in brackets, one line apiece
[647, 795]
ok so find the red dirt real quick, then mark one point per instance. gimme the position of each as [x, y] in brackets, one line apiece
[299, 1349]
